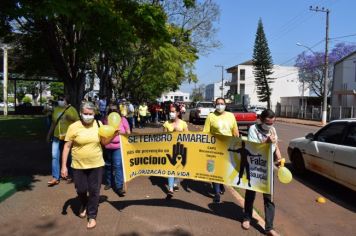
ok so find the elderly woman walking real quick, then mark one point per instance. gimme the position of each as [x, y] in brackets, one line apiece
[87, 160]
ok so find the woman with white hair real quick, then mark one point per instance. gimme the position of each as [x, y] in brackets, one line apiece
[87, 160]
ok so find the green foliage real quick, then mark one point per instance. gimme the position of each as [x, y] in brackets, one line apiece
[56, 88]
[263, 65]
[26, 99]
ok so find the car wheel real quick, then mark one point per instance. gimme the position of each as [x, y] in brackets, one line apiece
[298, 162]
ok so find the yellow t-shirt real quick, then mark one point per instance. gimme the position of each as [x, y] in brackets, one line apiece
[170, 126]
[123, 109]
[86, 148]
[221, 124]
[142, 110]
[63, 124]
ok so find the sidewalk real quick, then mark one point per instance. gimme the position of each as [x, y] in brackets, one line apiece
[40, 210]
[299, 121]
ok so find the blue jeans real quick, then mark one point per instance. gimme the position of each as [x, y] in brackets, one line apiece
[57, 148]
[171, 182]
[113, 169]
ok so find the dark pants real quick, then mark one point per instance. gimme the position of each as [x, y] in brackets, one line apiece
[142, 121]
[218, 188]
[88, 181]
[130, 120]
[269, 208]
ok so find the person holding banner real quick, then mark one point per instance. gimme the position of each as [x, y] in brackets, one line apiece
[174, 124]
[114, 177]
[220, 122]
[263, 133]
[87, 160]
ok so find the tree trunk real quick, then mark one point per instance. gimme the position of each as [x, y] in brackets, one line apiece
[75, 89]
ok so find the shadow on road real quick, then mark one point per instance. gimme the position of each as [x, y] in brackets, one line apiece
[333, 191]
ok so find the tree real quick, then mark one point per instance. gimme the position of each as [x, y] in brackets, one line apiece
[56, 88]
[311, 67]
[262, 65]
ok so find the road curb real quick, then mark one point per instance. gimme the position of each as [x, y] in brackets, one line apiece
[299, 122]
[241, 201]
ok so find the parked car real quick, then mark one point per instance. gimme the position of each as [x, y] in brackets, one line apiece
[257, 109]
[331, 152]
[201, 111]
[244, 118]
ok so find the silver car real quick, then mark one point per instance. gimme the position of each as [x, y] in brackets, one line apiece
[331, 152]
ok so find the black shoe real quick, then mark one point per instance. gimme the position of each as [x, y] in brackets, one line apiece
[249, 184]
[169, 195]
[222, 189]
[107, 187]
[216, 198]
[176, 188]
[121, 192]
[238, 182]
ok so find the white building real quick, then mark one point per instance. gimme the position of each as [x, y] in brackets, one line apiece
[344, 82]
[286, 84]
[213, 91]
[176, 96]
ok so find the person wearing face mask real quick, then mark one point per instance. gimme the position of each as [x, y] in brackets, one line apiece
[87, 160]
[113, 162]
[263, 133]
[220, 122]
[174, 124]
[63, 115]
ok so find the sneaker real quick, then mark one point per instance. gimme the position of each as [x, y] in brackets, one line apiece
[91, 224]
[272, 233]
[169, 195]
[245, 224]
[222, 189]
[107, 187]
[216, 198]
[53, 182]
[176, 188]
[121, 192]
[82, 212]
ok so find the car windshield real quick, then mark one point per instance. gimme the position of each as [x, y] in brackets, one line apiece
[236, 109]
[205, 104]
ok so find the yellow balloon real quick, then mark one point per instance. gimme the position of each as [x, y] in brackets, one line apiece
[114, 119]
[106, 131]
[321, 200]
[284, 175]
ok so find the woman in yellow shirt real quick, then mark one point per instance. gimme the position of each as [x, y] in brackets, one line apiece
[87, 160]
[174, 124]
[220, 122]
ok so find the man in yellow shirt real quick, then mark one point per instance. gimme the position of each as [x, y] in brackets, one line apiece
[63, 115]
[142, 111]
[220, 122]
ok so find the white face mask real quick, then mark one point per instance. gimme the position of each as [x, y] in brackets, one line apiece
[87, 118]
[61, 103]
[172, 116]
[220, 108]
[266, 127]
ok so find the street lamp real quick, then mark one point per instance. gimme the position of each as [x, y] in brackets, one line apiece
[222, 79]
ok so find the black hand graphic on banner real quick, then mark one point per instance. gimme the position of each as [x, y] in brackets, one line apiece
[179, 155]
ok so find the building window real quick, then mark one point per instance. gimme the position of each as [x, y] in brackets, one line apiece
[242, 74]
[186, 98]
[171, 97]
[242, 89]
[166, 97]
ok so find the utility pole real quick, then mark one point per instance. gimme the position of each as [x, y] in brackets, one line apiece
[222, 79]
[5, 48]
[326, 65]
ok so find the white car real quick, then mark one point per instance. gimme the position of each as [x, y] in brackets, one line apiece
[331, 152]
[257, 109]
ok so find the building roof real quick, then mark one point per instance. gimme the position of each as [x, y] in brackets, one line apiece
[245, 63]
[345, 57]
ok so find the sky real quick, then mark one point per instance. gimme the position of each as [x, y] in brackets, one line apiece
[286, 22]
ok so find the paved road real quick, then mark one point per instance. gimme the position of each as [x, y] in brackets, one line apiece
[297, 212]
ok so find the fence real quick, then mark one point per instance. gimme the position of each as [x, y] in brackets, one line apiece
[315, 112]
